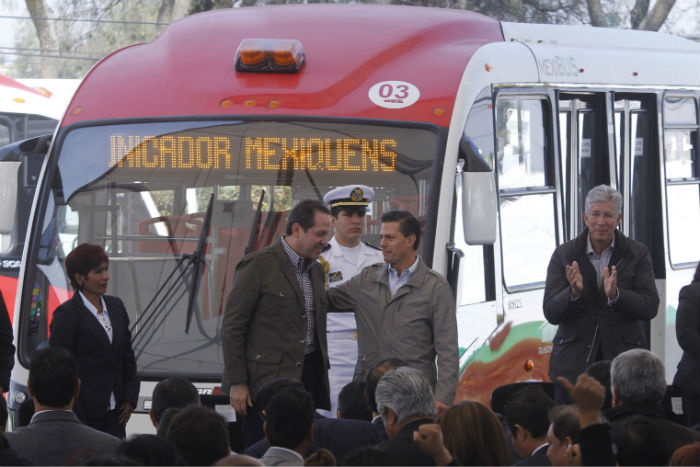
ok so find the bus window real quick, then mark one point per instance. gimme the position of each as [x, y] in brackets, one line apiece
[682, 178]
[565, 161]
[585, 163]
[635, 164]
[637, 167]
[526, 190]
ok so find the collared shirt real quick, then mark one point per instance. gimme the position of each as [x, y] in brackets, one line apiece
[49, 410]
[396, 281]
[600, 263]
[272, 449]
[102, 317]
[302, 269]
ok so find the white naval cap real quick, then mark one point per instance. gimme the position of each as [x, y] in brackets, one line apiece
[350, 195]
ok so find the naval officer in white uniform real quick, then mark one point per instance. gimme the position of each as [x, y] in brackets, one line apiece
[344, 257]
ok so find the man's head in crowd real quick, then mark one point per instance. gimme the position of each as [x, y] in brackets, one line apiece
[353, 403]
[637, 377]
[375, 375]
[172, 393]
[53, 379]
[403, 395]
[289, 419]
[638, 441]
[200, 434]
[150, 450]
[526, 417]
[271, 388]
[562, 435]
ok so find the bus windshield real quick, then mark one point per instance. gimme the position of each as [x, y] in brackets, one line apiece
[142, 191]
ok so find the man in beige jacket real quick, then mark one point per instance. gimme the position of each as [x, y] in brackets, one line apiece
[403, 310]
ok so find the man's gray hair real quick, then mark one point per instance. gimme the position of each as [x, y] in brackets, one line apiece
[604, 194]
[638, 377]
[407, 392]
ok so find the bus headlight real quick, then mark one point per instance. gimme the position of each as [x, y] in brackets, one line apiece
[20, 397]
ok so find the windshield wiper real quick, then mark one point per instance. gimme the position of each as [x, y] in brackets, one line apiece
[187, 271]
[198, 262]
[256, 222]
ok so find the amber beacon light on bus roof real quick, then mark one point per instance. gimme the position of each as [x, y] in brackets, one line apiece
[270, 55]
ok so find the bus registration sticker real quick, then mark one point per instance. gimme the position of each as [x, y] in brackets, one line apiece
[394, 94]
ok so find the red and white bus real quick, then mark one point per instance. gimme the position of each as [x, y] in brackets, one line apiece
[29, 110]
[489, 132]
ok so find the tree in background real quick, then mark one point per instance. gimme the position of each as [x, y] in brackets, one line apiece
[67, 37]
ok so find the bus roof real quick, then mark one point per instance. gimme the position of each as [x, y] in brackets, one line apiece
[607, 56]
[189, 69]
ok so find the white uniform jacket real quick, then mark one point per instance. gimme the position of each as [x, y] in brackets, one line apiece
[343, 264]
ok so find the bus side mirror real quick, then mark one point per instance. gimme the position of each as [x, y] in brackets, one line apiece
[479, 199]
[8, 194]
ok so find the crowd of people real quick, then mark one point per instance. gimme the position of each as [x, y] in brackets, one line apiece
[398, 428]
[392, 351]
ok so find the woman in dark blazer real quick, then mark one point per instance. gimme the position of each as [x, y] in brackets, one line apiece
[688, 334]
[95, 328]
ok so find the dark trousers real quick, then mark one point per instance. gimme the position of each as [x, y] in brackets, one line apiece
[691, 410]
[252, 426]
[311, 375]
[109, 424]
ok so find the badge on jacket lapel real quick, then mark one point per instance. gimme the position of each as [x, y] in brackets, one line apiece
[335, 276]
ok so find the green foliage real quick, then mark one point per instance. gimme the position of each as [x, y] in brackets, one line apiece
[82, 43]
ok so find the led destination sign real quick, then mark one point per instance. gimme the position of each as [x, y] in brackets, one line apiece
[273, 153]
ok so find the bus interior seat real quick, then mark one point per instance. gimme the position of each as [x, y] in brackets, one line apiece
[186, 226]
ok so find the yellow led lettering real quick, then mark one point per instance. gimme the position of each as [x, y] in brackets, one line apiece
[292, 156]
[204, 145]
[269, 151]
[168, 147]
[349, 152]
[185, 152]
[388, 155]
[113, 150]
[118, 150]
[222, 148]
[338, 156]
[301, 155]
[149, 152]
[266, 153]
[371, 154]
[133, 157]
[253, 144]
[314, 154]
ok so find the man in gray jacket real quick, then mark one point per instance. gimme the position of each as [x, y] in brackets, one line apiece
[55, 436]
[403, 310]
